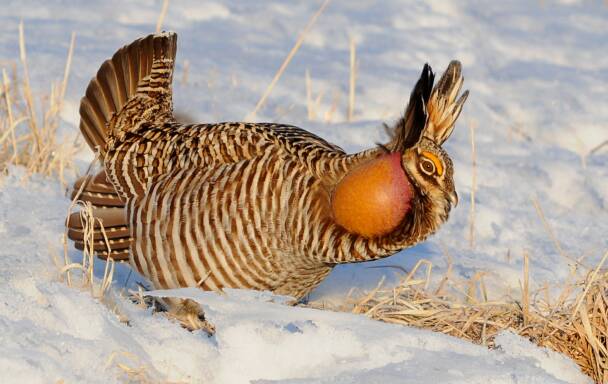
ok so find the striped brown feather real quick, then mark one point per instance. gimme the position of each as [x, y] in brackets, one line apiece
[108, 208]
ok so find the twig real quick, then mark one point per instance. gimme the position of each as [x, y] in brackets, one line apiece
[309, 102]
[329, 114]
[185, 72]
[598, 147]
[589, 282]
[352, 80]
[66, 72]
[551, 233]
[472, 126]
[9, 109]
[161, 16]
[525, 293]
[27, 89]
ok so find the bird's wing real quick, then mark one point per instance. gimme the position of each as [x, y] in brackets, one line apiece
[152, 151]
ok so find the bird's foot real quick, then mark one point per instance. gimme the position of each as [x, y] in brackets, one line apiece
[191, 316]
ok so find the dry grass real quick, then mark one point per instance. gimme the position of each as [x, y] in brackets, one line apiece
[80, 275]
[28, 126]
[251, 116]
[472, 127]
[352, 81]
[84, 270]
[161, 16]
[575, 325]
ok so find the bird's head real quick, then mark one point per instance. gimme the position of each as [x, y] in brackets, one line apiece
[413, 175]
[430, 170]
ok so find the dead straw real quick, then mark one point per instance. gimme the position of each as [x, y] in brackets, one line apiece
[472, 126]
[286, 61]
[352, 80]
[161, 16]
[576, 327]
[26, 140]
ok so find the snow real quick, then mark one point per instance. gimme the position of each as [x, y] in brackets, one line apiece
[538, 82]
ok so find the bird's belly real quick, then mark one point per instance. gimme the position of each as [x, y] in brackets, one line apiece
[243, 225]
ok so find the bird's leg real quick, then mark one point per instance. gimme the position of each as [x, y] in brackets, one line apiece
[190, 315]
[188, 312]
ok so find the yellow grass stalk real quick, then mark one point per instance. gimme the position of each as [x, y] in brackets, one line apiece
[589, 283]
[472, 126]
[329, 114]
[9, 112]
[35, 146]
[352, 80]
[186, 72]
[549, 229]
[309, 102]
[161, 16]
[286, 61]
[525, 292]
[27, 91]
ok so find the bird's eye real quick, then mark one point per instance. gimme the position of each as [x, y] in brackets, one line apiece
[427, 166]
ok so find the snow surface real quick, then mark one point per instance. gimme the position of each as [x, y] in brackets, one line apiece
[538, 77]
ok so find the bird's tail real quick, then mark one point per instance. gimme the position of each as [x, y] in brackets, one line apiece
[143, 68]
[107, 209]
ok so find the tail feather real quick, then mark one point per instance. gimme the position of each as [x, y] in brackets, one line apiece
[108, 209]
[130, 71]
[97, 190]
[137, 77]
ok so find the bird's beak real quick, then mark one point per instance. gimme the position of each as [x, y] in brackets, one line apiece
[454, 198]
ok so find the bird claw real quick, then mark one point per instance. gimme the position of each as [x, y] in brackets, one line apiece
[191, 316]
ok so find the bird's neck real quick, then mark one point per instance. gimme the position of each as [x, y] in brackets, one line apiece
[371, 230]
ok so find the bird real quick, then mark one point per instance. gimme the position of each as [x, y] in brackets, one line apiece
[249, 205]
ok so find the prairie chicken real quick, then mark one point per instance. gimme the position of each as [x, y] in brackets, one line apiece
[254, 205]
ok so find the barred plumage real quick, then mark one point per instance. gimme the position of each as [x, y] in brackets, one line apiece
[250, 205]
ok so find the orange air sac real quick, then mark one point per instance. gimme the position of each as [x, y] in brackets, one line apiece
[372, 199]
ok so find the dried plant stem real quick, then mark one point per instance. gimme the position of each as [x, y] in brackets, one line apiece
[36, 147]
[9, 111]
[185, 72]
[66, 72]
[589, 282]
[309, 102]
[525, 292]
[329, 114]
[352, 80]
[161, 16]
[598, 147]
[287, 60]
[551, 233]
[472, 126]
[27, 91]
